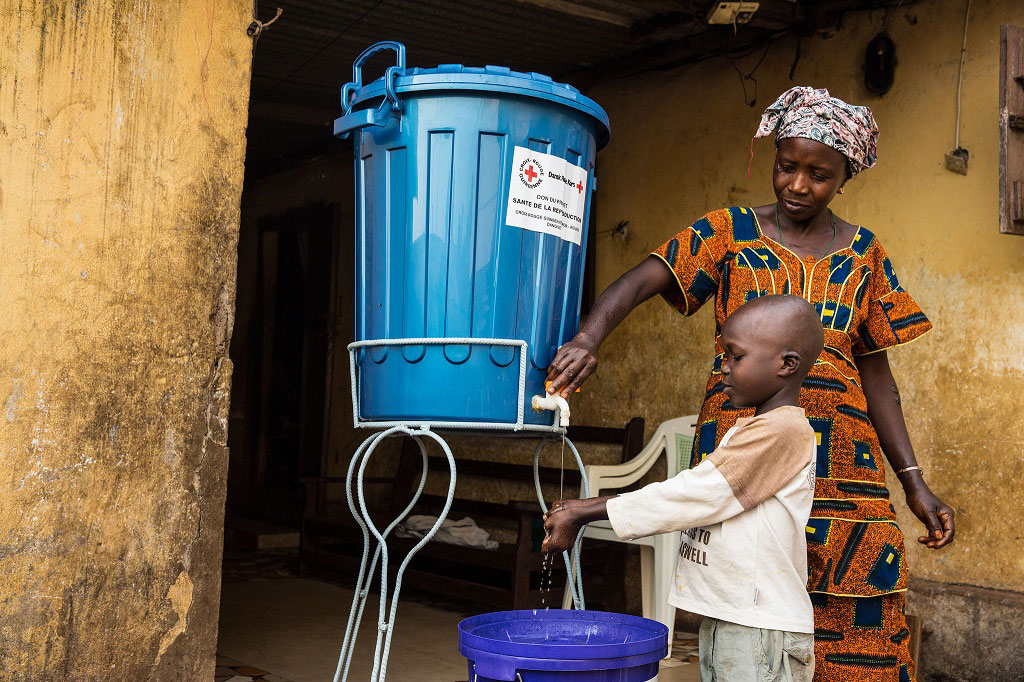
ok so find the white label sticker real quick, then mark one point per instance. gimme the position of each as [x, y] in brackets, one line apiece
[546, 194]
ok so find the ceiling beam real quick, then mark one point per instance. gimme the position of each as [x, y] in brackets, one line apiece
[777, 14]
[690, 49]
[577, 10]
[659, 23]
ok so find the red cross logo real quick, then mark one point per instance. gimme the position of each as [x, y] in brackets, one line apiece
[579, 188]
[530, 173]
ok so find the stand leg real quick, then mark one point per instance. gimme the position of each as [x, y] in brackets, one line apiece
[355, 614]
[388, 606]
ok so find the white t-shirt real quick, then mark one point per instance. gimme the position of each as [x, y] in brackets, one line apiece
[743, 512]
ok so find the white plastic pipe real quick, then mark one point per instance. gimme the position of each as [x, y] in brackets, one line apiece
[552, 402]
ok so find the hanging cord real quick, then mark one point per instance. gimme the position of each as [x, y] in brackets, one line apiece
[257, 27]
[887, 22]
[960, 77]
[335, 39]
[749, 76]
[796, 56]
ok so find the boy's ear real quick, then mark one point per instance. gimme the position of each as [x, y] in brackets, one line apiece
[790, 363]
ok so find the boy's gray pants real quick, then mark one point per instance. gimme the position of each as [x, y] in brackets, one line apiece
[737, 653]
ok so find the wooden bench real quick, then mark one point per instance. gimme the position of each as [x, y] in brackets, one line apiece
[506, 577]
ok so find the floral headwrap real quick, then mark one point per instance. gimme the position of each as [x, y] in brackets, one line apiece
[806, 112]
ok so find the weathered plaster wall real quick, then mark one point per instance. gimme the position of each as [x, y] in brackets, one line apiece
[122, 127]
[680, 147]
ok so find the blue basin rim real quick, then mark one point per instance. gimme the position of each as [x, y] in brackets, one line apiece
[489, 662]
[618, 635]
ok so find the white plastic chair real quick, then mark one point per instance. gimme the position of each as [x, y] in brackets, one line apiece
[674, 439]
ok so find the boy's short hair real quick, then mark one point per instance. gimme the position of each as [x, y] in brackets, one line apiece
[792, 321]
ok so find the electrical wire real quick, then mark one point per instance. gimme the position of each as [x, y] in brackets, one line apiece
[960, 77]
[749, 76]
[333, 40]
[892, 15]
[796, 56]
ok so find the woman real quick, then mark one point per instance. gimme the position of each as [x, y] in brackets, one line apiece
[856, 563]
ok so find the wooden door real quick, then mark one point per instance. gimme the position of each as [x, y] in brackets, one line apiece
[298, 278]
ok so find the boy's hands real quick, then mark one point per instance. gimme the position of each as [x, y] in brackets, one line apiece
[560, 526]
[563, 521]
[574, 362]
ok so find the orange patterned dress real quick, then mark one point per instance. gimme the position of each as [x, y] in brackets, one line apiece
[856, 561]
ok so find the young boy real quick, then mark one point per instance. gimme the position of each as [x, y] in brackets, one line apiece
[743, 510]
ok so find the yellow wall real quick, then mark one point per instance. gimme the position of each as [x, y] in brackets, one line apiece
[122, 130]
[680, 146]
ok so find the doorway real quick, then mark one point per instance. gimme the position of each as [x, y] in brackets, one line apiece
[289, 362]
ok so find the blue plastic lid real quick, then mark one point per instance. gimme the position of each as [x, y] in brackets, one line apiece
[563, 634]
[491, 79]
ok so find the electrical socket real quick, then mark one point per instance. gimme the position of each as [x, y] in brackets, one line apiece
[956, 160]
[732, 12]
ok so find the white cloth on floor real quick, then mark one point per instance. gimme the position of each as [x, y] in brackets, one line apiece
[464, 533]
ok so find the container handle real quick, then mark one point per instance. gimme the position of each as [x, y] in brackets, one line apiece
[350, 90]
[390, 108]
[364, 118]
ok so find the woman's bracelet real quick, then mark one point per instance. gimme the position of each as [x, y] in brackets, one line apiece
[913, 468]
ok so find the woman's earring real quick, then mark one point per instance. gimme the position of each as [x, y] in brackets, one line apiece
[840, 191]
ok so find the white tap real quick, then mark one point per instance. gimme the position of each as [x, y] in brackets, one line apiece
[552, 401]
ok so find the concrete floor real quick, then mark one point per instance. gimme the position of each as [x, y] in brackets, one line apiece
[292, 627]
[683, 673]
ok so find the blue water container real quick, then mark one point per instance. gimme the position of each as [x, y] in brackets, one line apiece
[441, 155]
[562, 646]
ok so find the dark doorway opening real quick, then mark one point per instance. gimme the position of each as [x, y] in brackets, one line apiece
[286, 394]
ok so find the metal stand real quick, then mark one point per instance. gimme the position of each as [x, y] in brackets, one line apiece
[419, 431]
[366, 525]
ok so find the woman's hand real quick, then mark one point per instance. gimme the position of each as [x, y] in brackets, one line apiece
[577, 359]
[936, 515]
[573, 363]
[886, 413]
